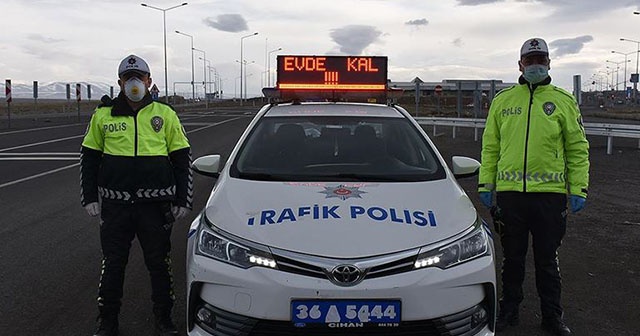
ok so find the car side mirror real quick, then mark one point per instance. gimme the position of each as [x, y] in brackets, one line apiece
[207, 165]
[465, 167]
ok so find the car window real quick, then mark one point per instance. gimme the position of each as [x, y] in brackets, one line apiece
[314, 148]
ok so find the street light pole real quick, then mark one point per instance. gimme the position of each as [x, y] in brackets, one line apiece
[208, 71]
[193, 85]
[241, 60]
[235, 87]
[269, 66]
[204, 73]
[164, 25]
[222, 80]
[612, 73]
[216, 77]
[244, 65]
[212, 80]
[635, 83]
[245, 78]
[625, 65]
[605, 74]
[618, 68]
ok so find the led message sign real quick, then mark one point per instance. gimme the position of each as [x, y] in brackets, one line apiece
[332, 73]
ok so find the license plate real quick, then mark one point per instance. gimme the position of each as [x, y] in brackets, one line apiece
[349, 312]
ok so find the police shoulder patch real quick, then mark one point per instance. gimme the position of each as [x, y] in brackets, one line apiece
[156, 123]
[548, 108]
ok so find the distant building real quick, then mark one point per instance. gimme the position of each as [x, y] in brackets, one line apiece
[452, 86]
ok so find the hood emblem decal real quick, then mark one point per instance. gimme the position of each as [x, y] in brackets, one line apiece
[342, 192]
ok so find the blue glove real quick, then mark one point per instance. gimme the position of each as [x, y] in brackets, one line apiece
[576, 202]
[487, 198]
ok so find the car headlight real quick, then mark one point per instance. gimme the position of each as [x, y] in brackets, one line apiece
[472, 245]
[216, 244]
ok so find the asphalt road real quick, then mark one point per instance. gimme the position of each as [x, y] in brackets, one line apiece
[50, 252]
[49, 247]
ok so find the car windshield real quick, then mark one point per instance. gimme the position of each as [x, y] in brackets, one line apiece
[336, 148]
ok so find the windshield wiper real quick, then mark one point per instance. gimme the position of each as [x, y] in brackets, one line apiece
[365, 177]
[314, 177]
[263, 177]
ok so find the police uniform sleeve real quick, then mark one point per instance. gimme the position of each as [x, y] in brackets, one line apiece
[490, 151]
[180, 157]
[576, 148]
[90, 158]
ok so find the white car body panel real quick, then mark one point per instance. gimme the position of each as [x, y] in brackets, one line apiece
[243, 207]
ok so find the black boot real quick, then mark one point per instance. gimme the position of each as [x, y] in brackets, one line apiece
[164, 324]
[506, 318]
[107, 325]
[555, 326]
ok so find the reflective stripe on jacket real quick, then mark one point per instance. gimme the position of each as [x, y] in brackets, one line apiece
[534, 141]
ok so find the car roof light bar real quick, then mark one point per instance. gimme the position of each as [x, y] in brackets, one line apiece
[331, 78]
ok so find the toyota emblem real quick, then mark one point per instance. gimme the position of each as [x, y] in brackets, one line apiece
[346, 275]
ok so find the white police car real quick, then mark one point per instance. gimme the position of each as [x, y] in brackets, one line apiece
[338, 219]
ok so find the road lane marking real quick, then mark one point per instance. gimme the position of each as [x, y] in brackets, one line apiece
[41, 143]
[212, 125]
[42, 153]
[38, 175]
[79, 136]
[195, 123]
[41, 128]
[44, 158]
[82, 124]
[77, 164]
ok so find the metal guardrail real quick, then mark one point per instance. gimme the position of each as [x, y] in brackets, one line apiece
[602, 129]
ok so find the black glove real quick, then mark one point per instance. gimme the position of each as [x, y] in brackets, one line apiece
[496, 215]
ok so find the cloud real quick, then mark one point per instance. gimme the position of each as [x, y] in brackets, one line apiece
[417, 22]
[353, 39]
[44, 39]
[476, 2]
[569, 46]
[579, 10]
[37, 48]
[49, 54]
[457, 42]
[566, 9]
[233, 23]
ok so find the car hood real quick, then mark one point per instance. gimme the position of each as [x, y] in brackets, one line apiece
[341, 220]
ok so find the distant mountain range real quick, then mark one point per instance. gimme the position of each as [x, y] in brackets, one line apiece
[58, 90]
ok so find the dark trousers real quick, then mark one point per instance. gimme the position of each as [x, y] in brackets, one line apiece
[120, 223]
[543, 215]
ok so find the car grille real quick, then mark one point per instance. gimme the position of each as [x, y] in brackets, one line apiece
[465, 323]
[321, 267]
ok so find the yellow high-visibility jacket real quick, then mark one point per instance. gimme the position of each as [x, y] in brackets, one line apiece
[130, 156]
[534, 141]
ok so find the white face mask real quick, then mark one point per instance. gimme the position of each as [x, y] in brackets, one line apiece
[135, 89]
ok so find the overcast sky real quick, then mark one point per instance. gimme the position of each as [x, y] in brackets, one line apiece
[84, 40]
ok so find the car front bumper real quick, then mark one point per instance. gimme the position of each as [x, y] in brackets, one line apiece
[257, 301]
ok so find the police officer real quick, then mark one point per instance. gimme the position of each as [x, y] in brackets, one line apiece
[534, 154]
[136, 175]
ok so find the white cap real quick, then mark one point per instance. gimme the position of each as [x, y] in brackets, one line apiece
[133, 63]
[534, 46]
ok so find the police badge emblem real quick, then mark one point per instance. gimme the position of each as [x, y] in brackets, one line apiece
[156, 123]
[342, 192]
[548, 108]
